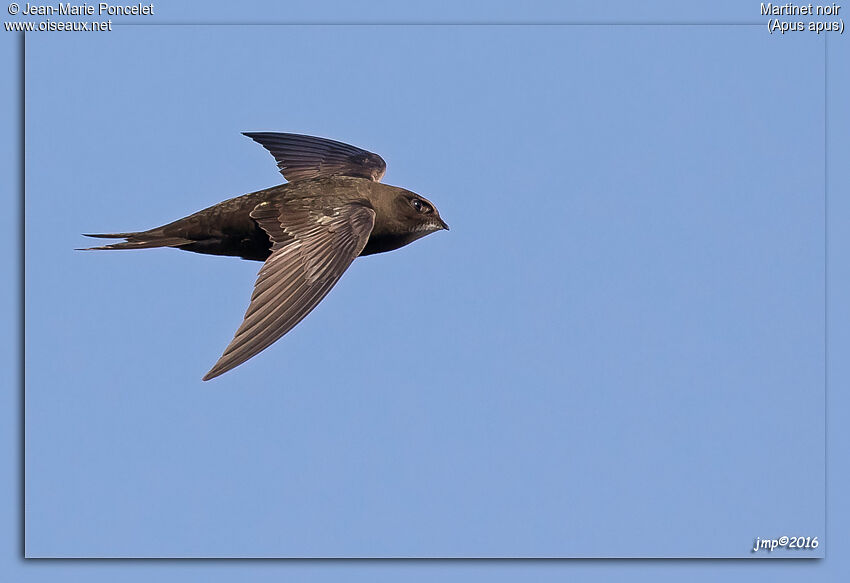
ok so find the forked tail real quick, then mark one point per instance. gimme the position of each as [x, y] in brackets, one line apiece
[139, 240]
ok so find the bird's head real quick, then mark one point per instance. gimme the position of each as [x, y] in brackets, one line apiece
[416, 215]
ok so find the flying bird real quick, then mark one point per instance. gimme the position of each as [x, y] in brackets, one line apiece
[307, 232]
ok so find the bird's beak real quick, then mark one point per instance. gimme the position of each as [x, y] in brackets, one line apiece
[444, 225]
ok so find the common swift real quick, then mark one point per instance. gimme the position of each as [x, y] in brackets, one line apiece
[307, 232]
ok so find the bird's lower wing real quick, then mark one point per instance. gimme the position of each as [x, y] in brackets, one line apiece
[310, 253]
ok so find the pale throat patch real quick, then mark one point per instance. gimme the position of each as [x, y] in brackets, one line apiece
[425, 227]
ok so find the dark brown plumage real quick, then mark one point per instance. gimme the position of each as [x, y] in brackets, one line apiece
[307, 232]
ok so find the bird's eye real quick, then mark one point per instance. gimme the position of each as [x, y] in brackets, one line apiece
[421, 206]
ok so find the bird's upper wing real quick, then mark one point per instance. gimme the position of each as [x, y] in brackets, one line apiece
[300, 157]
[310, 252]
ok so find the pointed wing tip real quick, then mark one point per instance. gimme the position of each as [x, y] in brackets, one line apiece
[211, 374]
[256, 136]
[219, 368]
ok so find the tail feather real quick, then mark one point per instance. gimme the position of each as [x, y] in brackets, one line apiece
[114, 235]
[140, 240]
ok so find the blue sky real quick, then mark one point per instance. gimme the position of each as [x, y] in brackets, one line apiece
[616, 351]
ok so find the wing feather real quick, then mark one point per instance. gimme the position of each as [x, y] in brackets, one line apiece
[300, 157]
[310, 252]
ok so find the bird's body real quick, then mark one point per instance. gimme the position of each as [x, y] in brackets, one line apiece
[307, 232]
[228, 229]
